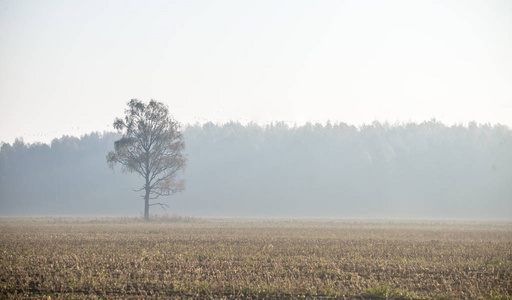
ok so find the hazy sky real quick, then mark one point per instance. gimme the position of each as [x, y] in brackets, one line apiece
[69, 67]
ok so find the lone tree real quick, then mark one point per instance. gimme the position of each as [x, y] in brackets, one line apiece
[151, 145]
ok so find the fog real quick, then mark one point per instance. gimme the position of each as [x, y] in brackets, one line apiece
[410, 170]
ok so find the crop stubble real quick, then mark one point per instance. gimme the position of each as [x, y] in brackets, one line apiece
[119, 257]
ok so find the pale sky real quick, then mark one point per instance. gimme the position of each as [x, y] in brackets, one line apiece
[69, 67]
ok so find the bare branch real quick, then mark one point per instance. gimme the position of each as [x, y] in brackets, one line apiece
[163, 205]
[139, 190]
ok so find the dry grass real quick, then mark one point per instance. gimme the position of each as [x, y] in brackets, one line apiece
[258, 258]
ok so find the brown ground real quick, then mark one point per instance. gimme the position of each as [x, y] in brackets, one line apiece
[258, 258]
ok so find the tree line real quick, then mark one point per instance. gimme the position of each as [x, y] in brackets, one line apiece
[314, 170]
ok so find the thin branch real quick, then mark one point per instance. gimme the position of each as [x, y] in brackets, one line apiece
[158, 194]
[163, 205]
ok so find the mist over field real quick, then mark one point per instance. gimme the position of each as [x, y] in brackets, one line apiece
[426, 170]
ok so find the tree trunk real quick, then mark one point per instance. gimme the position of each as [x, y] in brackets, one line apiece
[146, 205]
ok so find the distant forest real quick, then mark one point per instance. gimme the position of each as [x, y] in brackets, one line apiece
[426, 170]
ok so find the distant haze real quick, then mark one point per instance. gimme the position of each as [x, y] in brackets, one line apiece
[69, 67]
[426, 170]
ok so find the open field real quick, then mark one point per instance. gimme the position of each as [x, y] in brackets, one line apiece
[254, 258]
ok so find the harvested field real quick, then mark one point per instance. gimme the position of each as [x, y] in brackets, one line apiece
[254, 258]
